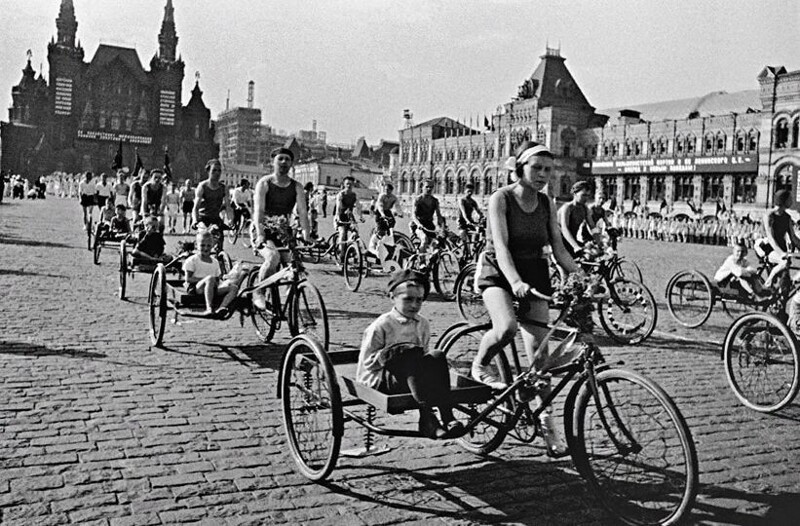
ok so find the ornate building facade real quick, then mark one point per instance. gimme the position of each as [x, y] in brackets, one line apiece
[75, 120]
[731, 149]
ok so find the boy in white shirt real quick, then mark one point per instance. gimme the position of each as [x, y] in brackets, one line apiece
[202, 275]
[737, 267]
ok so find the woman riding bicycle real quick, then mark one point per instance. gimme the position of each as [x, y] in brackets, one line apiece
[521, 222]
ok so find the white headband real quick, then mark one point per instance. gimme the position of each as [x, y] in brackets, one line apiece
[512, 161]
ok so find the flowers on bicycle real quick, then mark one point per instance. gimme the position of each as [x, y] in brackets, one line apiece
[279, 229]
[578, 292]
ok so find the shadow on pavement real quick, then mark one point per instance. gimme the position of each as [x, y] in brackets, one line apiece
[255, 356]
[32, 349]
[6, 240]
[518, 491]
[738, 507]
[8, 272]
[350, 314]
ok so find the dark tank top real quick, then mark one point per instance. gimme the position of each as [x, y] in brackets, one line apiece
[154, 196]
[528, 233]
[280, 201]
[212, 200]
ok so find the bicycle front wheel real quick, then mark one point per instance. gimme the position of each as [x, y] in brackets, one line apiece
[626, 268]
[470, 303]
[445, 273]
[761, 362]
[308, 314]
[233, 233]
[352, 267]
[629, 314]
[633, 447]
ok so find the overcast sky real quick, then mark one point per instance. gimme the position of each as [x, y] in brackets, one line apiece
[355, 65]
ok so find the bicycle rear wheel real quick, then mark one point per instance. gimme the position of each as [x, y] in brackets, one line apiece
[629, 314]
[460, 349]
[233, 233]
[308, 314]
[690, 298]
[157, 302]
[445, 273]
[312, 408]
[761, 362]
[264, 321]
[633, 447]
[470, 303]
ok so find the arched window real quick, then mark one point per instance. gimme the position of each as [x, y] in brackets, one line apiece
[752, 141]
[614, 149]
[691, 143]
[782, 134]
[713, 188]
[606, 148]
[404, 183]
[662, 145]
[679, 145]
[744, 189]
[784, 178]
[741, 142]
[708, 144]
[795, 130]
[720, 146]
[628, 148]
[637, 147]
[567, 142]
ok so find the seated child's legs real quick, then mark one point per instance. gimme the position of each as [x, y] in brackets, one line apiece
[228, 290]
[425, 376]
[208, 288]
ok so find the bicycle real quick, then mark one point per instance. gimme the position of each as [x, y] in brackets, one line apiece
[359, 261]
[240, 228]
[439, 262]
[627, 438]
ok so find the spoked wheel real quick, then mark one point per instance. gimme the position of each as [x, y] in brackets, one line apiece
[233, 233]
[123, 269]
[445, 273]
[333, 247]
[761, 362]
[353, 268]
[404, 246]
[312, 408]
[225, 261]
[308, 314]
[97, 248]
[470, 303]
[690, 298]
[633, 447]
[449, 333]
[626, 268]
[264, 321]
[489, 433]
[629, 314]
[157, 301]
[89, 234]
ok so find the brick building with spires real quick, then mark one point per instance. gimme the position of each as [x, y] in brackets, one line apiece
[75, 120]
[720, 149]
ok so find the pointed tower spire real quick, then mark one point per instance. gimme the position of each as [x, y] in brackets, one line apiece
[66, 24]
[168, 38]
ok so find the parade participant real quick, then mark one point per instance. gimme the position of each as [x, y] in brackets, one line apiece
[324, 203]
[521, 223]
[120, 226]
[87, 189]
[2, 185]
[153, 202]
[135, 195]
[395, 357]
[736, 268]
[275, 198]
[104, 191]
[121, 189]
[385, 206]
[187, 204]
[107, 213]
[780, 234]
[241, 202]
[313, 201]
[426, 207]
[202, 275]
[172, 199]
[150, 244]
[344, 212]
[467, 209]
[210, 199]
[575, 220]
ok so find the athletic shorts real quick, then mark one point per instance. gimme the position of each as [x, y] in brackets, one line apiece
[87, 200]
[534, 272]
[187, 207]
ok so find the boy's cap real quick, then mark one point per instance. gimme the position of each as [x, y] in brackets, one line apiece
[404, 275]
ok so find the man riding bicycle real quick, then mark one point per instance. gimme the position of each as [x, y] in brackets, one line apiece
[210, 199]
[425, 208]
[242, 203]
[344, 212]
[575, 222]
[275, 199]
[467, 209]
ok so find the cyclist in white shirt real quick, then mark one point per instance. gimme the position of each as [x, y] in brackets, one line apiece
[242, 202]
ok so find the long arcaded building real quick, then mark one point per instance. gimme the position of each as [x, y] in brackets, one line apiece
[735, 149]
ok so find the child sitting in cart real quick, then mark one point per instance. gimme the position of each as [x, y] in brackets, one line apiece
[737, 269]
[120, 225]
[150, 245]
[104, 222]
[395, 358]
[203, 275]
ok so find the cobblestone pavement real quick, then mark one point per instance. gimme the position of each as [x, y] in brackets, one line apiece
[97, 427]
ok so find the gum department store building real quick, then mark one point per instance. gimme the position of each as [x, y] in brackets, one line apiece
[733, 148]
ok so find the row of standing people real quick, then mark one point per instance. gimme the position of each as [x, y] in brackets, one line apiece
[716, 231]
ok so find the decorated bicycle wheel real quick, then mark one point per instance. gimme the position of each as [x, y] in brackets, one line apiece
[308, 314]
[460, 350]
[629, 314]
[633, 447]
[690, 298]
[761, 362]
[312, 408]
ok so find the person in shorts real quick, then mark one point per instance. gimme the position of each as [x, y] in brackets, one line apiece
[187, 204]
[87, 189]
[779, 234]
[211, 199]
[426, 208]
[521, 223]
[575, 220]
